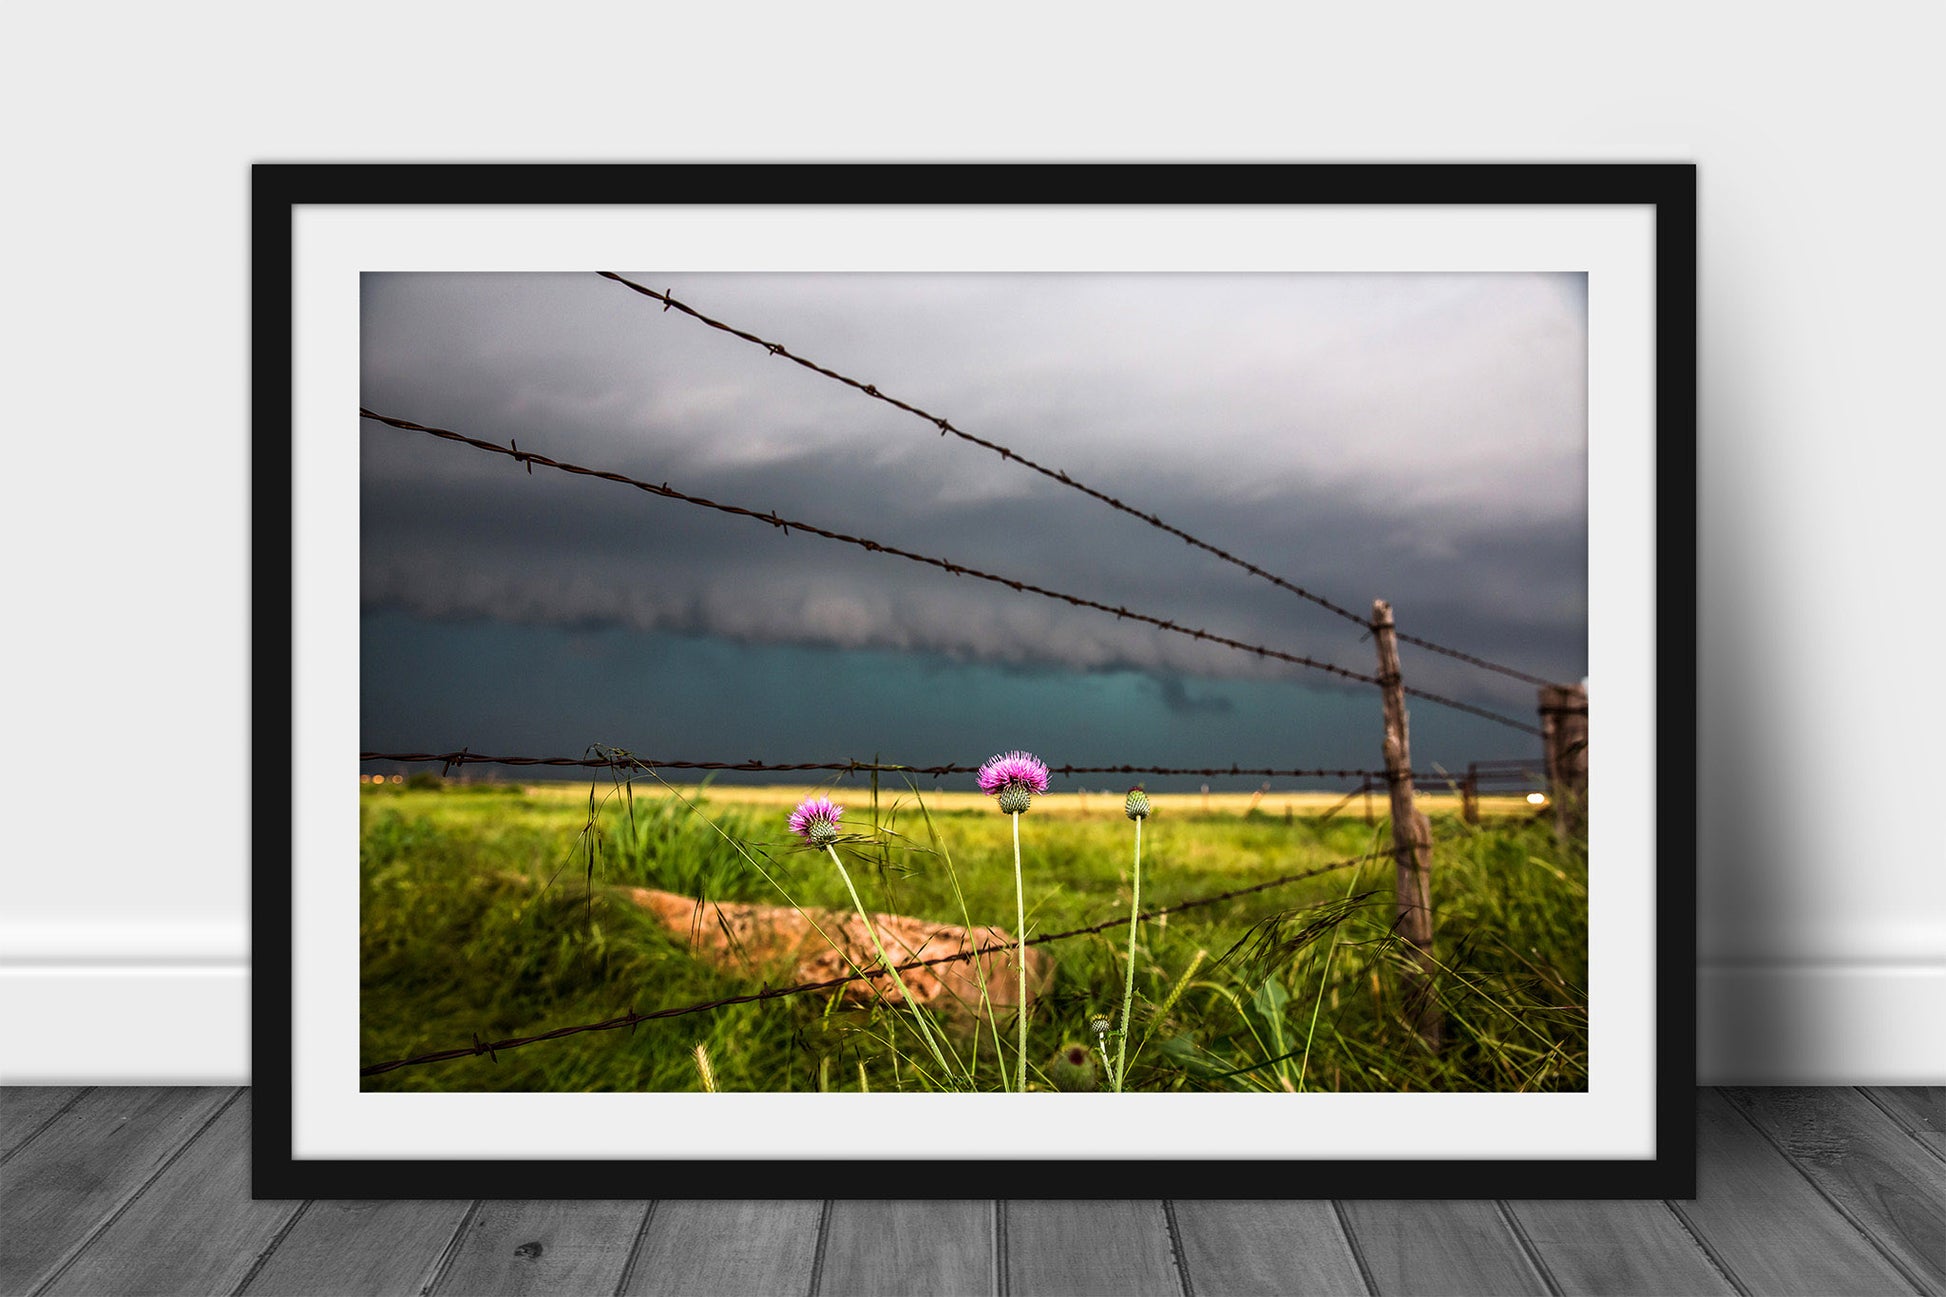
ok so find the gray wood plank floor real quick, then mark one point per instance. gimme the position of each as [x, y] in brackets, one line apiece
[145, 1190]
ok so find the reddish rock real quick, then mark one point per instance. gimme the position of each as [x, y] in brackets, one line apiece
[779, 942]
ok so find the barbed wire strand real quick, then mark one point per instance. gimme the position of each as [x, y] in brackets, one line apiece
[469, 758]
[531, 458]
[946, 426]
[632, 1017]
[1470, 659]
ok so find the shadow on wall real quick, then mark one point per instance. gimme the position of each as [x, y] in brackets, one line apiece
[1750, 881]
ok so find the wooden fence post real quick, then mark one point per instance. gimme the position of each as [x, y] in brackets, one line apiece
[1411, 833]
[1564, 745]
[1470, 795]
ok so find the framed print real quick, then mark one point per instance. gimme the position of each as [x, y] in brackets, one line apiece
[1095, 669]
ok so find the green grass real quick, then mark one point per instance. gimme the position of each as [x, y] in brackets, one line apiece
[485, 912]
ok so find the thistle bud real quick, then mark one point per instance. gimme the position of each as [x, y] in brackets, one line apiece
[1137, 805]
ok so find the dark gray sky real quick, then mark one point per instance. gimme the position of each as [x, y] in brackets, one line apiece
[1416, 437]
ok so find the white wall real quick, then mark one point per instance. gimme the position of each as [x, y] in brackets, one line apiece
[123, 939]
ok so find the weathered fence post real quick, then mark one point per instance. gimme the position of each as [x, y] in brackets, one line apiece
[1470, 795]
[1411, 833]
[1564, 745]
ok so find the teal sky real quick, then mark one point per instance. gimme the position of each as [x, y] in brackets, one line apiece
[550, 690]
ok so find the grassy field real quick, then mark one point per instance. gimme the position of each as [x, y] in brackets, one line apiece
[484, 913]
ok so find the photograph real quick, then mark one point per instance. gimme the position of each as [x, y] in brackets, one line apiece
[1038, 716]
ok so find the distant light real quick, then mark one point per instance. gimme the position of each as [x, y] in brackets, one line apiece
[1537, 799]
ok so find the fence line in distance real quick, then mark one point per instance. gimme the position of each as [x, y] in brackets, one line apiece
[465, 757]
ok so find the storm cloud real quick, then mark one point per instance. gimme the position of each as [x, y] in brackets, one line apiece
[1420, 438]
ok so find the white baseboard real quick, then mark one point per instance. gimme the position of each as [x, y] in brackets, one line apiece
[163, 1024]
[181, 1024]
[107, 943]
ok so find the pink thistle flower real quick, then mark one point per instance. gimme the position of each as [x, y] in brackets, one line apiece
[1013, 777]
[816, 820]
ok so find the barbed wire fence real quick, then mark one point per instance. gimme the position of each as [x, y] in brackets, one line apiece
[1563, 707]
[465, 757]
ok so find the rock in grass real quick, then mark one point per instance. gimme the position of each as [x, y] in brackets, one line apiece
[779, 943]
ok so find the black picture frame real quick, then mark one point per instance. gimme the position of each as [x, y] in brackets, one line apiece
[280, 190]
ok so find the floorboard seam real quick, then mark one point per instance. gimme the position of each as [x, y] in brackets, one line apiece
[58, 1113]
[1357, 1252]
[121, 1208]
[1527, 1248]
[1904, 1123]
[1723, 1267]
[817, 1257]
[1919, 1284]
[270, 1248]
[1176, 1248]
[1002, 1281]
[997, 1284]
[450, 1252]
[635, 1248]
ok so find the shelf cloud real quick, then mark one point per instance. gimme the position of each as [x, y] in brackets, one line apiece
[1420, 438]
